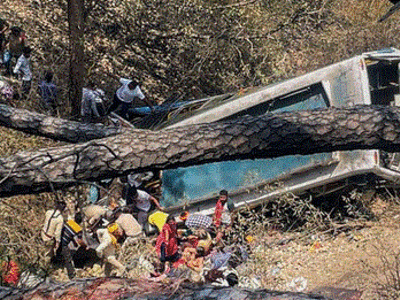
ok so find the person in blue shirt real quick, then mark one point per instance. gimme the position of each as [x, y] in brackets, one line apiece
[48, 93]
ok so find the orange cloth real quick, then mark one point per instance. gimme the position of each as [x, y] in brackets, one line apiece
[219, 208]
[10, 272]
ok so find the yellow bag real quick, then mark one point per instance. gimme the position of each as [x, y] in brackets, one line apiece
[74, 226]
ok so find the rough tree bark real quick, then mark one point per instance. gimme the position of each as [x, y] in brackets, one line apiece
[77, 65]
[54, 128]
[304, 132]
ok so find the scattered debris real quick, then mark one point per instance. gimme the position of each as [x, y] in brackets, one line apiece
[116, 288]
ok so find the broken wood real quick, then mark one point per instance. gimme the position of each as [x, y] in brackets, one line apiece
[54, 128]
[271, 135]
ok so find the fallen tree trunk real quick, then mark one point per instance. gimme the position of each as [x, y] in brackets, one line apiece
[303, 132]
[119, 288]
[54, 128]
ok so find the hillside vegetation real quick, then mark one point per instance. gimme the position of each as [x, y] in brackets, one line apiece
[190, 49]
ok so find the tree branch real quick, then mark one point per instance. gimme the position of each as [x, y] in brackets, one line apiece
[303, 132]
[54, 128]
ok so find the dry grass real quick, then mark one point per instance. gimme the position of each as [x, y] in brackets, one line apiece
[272, 40]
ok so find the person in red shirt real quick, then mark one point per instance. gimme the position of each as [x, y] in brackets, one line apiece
[167, 243]
[219, 207]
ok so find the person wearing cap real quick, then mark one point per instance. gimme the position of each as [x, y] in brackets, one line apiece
[106, 250]
[128, 92]
[93, 213]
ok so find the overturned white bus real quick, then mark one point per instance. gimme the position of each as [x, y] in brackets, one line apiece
[370, 78]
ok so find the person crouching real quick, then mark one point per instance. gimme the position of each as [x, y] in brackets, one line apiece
[108, 238]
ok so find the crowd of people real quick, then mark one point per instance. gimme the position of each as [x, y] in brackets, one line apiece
[183, 242]
[15, 59]
[120, 211]
[15, 55]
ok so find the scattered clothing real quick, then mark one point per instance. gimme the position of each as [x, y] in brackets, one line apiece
[198, 221]
[6, 91]
[158, 219]
[229, 277]
[10, 273]
[129, 225]
[220, 259]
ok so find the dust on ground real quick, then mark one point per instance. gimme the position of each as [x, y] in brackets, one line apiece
[360, 257]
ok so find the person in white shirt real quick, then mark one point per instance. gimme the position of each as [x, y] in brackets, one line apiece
[106, 250]
[23, 70]
[126, 95]
[141, 202]
[52, 228]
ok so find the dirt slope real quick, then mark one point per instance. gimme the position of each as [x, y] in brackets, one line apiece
[358, 258]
